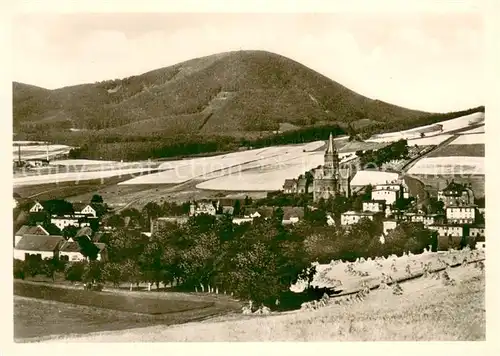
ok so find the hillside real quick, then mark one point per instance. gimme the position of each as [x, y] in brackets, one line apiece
[209, 104]
[233, 91]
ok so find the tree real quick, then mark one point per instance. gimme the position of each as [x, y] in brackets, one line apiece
[74, 271]
[115, 221]
[70, 231]
[113, 272]
[134, 215]
[237, 208]
[92, 272]
[435, 206]
[150, 212]
[126, 244]
[50, 266]
[309, 180]
[58, 207]
[19, 269]
[52, 229]
[315, 217]
[87, 247]
[96, 199]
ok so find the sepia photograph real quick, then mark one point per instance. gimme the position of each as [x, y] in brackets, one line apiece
[243, 176]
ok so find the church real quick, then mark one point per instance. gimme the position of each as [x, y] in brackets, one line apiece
[330, 179]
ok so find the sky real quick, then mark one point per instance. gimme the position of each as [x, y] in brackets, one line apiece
[425, 61]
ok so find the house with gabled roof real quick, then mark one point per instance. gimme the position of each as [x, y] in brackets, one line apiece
[38, 246]
[71, 250]
[290, 186]
[29, 230]
[292, 215]
[38, 207]
[85, 209]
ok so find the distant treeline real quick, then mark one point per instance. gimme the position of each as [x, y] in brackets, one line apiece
[130, 147]
[189, 145]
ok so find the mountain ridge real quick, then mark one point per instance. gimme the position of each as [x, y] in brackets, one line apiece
[263, 89]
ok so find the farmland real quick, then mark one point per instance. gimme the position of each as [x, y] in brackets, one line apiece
[256, 171]
[427, 309]
[454, 150]
[443, 127]
[32, 150]
[448, 166]
[77, 176]
[40, 318]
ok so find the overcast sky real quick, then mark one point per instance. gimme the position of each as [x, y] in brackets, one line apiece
[427, 61]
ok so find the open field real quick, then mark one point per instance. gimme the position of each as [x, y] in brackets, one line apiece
[81, 162]
[29, 149]
[104, 300]
[71, 189]
[181, 171]
[79, 176]
[37, 319]
[429, 141]
[54, 168]
[470, 139]
[479, 129]
[449, 166]
[454, 150]
[266, 178]
[427, 310]
[434, 129]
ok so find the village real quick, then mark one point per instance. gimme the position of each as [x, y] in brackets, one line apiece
[77, 232]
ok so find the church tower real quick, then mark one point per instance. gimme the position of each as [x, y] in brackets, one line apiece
[330, 180]
[331, 166]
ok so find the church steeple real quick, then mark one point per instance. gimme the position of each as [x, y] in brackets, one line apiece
[331, 159]
[330, 148]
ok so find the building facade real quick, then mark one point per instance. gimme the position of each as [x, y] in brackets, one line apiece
[331, 180]
[353, 217]
[374, 206]
[461, 214]
[456, 194]
[38, 246]
[388, 192]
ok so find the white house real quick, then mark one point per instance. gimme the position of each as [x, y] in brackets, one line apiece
[239, 221]
[448, 230]
[202, 208]
[462, 214]
[426, 219]
[374, 206]
[84, 209]
[389, 225]
[69, 220]
[38, 246]
[37, 208]
[353, 217]
[388, 192]
[477, 231]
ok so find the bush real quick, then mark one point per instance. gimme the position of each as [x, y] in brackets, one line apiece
[19, 269]
[74, 271]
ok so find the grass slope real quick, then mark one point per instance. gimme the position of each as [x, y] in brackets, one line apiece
[427, 310]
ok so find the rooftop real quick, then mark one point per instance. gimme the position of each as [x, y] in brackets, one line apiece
[39, 242]
[31, 230]
[364, 213]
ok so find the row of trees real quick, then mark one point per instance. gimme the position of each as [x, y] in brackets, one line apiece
[394, 151]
